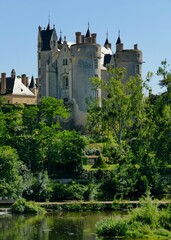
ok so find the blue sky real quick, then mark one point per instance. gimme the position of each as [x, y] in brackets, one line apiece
[145, 22]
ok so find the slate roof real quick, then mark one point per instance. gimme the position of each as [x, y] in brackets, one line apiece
[107, 59]
[88, 33]
[46, 37]
[106, 55]
[118, 40]
[16, 87]
[32, 83]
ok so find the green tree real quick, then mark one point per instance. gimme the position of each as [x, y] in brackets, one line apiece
[52, 111]
[10, 178]
[121, 104]
[165, 74]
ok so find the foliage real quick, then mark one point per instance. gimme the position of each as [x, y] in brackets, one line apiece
[70, 191]
[120, 105]
[52, 111]
[10, 178]
[99, 163]
[112, 227]
[41, 188]
[142, 222]
[23, 206]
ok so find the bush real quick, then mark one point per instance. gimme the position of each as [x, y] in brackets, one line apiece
[147, 213]
[99, 163]
[22, 206]
[143, 222]
[165, 218]
[69, 191]
[112, 227]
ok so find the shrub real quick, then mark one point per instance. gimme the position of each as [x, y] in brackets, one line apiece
[22, 206]
[99, 163]
[147, 213]
[112, 227]
[143, 222]
[69, 191]
[165, 218]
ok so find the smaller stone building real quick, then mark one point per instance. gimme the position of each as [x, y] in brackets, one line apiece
[15, 89]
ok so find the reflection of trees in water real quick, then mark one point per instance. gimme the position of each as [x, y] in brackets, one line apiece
[40, 228]
[57, 226]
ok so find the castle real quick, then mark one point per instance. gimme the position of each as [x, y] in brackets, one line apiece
[64, 68]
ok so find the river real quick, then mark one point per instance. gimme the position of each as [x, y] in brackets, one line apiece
[52, 226]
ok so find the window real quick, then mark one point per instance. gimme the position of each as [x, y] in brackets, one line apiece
[95, 63]
[65, 83]
[65, 62]
[137, 69]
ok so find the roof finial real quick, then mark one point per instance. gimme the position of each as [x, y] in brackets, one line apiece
[119, 39]
[49, 19]
[88, 31]
[48, 26]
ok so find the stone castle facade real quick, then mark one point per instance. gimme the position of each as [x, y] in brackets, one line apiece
[64, 68]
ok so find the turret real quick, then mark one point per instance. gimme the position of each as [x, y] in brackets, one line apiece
[13, 73]
[119, 44]
[107, 44]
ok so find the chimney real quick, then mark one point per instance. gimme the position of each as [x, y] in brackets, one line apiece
[27, 81]
[82, 38]
[23, 78]
[3, 83]
[78, 37]
[135, 46]
[94, 35]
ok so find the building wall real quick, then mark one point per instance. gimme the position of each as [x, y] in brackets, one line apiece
[85, 65]
[13, 99]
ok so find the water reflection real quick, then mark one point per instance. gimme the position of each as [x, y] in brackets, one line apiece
[58, 226]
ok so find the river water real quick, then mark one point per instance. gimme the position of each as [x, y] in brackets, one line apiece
[56, 226]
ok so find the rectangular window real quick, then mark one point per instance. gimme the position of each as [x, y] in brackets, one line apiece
[65, 62]
[65, 83]
[137, 69]
[95, 63]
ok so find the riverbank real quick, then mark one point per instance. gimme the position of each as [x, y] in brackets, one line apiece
[88, 205]
[97, 205]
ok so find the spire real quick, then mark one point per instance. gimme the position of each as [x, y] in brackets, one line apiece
[48, 26]
[60, 39]
[107, 41]
[88, 31]
[119, 39]
[13, 73]
[32, 83]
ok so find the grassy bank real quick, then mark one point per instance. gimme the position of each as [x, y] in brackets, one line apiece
[147, 222]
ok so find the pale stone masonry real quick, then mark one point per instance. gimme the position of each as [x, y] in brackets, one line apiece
[65, 69]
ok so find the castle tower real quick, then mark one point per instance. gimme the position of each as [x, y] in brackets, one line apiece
[86, 54]
[107, 44]
[130, 59]
[47, 47]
